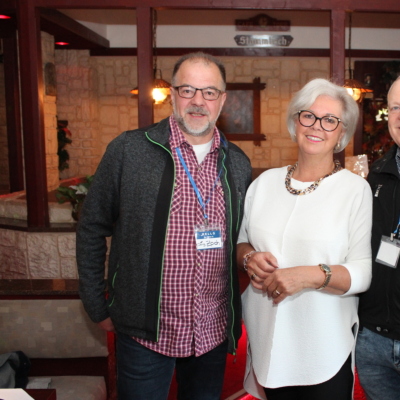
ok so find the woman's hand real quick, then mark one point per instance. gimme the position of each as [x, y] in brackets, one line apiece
[286, 282]
[259, 264]
[289, 281]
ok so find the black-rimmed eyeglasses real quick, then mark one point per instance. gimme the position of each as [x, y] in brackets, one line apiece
[188, 92]
[328, 123]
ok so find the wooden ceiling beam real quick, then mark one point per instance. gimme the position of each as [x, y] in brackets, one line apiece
[354, 5]
[66, 29]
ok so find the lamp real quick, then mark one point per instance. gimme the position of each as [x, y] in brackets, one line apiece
[355, 88]
[160, 86]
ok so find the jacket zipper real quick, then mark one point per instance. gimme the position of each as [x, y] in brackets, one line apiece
[162, 266]
[230, 258]
[389, 285]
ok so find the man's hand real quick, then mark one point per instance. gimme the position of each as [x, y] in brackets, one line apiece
[107, 325]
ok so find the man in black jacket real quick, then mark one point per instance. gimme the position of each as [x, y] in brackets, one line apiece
[378, 344]
[171, 196]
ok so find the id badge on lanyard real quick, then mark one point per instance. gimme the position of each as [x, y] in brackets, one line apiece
[207, 235]
[389, 250]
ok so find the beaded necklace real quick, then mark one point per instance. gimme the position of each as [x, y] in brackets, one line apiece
[313, 186]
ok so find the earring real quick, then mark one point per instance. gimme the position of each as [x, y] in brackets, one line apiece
[337, 147]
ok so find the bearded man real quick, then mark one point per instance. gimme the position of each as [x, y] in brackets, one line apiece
[171, 196]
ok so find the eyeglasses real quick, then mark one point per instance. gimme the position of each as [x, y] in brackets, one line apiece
[188, 92]
[328, 123]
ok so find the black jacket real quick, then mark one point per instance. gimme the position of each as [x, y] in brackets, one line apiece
[379, 308]
[130, 199]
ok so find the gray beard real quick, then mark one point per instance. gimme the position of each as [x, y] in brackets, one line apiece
[194, 132]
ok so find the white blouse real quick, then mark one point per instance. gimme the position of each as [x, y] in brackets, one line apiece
[306, 338]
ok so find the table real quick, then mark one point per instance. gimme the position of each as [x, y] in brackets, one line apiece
[42, 394]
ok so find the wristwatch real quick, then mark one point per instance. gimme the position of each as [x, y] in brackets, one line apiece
[328, 273]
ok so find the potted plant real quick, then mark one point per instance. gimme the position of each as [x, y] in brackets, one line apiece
[75, 194]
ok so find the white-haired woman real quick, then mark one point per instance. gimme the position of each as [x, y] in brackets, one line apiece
[305, 244]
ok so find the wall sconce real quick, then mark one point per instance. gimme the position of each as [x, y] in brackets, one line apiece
[356, 89]
[160, 86]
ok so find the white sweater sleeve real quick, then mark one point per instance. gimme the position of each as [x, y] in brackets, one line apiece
[358, 261]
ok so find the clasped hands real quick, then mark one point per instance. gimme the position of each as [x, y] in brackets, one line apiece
[265, 274]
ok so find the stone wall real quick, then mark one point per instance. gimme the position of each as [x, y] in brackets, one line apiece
[31, 255]
[25, 255]
[78, 103]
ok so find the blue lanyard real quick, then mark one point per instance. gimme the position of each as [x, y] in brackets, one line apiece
[396, 231]
[196, 189]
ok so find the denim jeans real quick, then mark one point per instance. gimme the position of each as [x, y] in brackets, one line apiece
[378, 365]
[144, 374]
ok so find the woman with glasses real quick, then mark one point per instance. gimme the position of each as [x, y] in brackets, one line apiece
[305, 245]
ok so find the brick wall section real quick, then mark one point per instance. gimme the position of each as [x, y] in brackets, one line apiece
[78, 103]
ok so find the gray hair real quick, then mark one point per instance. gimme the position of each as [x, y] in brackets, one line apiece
[306, 97]
[206, 59]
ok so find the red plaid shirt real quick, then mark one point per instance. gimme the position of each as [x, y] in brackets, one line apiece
[194, 283]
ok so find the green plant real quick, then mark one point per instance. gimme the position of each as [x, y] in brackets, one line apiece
[75, 194]
[62, 136]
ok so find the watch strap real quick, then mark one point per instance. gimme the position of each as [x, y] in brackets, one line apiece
[328, 273]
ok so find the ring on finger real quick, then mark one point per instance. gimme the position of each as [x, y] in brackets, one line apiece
[277, 292]
[254, 276]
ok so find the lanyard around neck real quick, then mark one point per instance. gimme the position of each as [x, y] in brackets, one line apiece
[195, 188]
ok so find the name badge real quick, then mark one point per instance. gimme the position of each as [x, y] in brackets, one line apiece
[389, 252]
[208, 237]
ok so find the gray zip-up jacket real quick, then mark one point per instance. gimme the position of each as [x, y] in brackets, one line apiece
[130, 199]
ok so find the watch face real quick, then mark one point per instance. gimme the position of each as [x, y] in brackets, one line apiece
[325, 268]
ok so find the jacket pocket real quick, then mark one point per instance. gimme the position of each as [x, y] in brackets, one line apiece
[111, 298]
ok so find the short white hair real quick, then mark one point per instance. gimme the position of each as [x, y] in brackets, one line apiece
[306, 97]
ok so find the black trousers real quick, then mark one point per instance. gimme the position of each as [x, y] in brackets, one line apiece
[337, 388]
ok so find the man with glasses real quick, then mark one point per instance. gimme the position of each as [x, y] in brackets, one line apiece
[171, 196]
[378, 343]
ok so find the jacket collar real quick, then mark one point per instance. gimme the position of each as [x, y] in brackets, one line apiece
[160, 133]
[387, 163]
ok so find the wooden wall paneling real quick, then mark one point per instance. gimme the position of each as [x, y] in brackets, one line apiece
[337, 59]
[13, 114]
[32, 112]
[145, 65]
